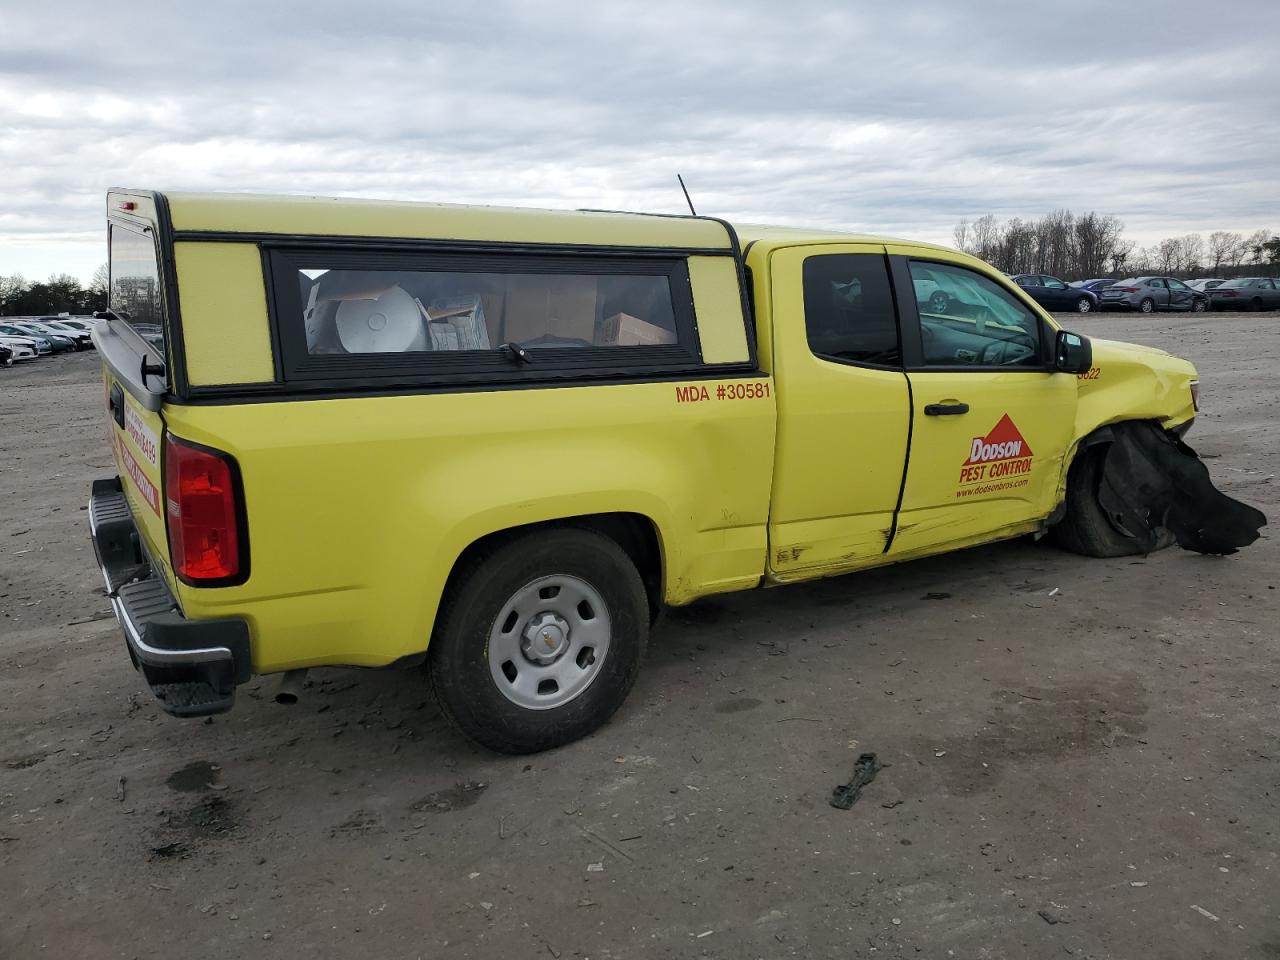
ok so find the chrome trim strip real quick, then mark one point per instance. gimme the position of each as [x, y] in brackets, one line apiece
[157, 655]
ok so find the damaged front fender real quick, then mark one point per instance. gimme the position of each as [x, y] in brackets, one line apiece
[1151, 480]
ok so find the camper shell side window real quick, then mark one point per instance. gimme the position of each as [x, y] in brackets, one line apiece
[446, 317]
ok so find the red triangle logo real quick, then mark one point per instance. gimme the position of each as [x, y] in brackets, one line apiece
[1003, 442]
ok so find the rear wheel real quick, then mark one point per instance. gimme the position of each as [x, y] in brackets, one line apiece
[1086, 528]
[1147, 305]
[1084, 305]
[1256, 305]
[541, 640]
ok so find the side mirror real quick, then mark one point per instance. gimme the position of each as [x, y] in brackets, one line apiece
[1073, 353]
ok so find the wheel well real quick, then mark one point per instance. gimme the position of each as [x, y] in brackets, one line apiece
[635, 533]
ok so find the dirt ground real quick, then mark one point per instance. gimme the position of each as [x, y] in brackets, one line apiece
[1082, 755]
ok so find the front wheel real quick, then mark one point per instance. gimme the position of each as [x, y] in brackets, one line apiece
[1147, 305]
[1084, 305]
[1086, 527]
[540, 641]
[1199, 306]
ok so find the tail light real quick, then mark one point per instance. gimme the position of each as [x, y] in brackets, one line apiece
[1225, 293]
[1126, 289]
[208, 542]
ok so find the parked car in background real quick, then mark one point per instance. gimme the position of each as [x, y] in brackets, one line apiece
[42, 344]
[61, 339]
[1052, 294]
[6, 356]
[1205, 284]
[1095, 285]
[82, 337]
[1149, 294]
[76, 323]
[1246, 293]
[22, 348]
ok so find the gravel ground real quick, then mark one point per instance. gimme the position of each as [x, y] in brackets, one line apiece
[1089, 772]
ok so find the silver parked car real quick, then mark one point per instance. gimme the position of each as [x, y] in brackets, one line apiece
[1149, 294]
[1206, 284]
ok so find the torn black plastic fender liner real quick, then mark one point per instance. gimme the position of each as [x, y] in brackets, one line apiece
[1151, 479]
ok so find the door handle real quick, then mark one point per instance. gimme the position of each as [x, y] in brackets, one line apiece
[945, 409]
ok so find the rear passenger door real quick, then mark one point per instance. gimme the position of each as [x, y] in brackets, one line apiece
[843, 405]
[991, 420]
[1158, 291]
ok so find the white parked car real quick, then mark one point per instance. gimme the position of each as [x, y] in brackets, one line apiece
[22, 348]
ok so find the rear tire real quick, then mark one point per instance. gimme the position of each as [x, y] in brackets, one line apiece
[1147, 305]
[1086, 529]
[489, 677]
[1256, 305]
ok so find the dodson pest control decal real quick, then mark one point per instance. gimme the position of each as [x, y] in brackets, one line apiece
[144, 486]
[999, 461]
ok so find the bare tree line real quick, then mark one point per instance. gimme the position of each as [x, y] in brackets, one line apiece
[1084, 246]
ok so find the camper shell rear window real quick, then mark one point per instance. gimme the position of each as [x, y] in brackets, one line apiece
[135, 291]
[443, 317]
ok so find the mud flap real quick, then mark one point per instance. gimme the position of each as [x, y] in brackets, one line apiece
[1151, 479]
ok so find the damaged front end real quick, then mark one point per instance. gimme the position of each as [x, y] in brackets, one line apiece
[1151, 481]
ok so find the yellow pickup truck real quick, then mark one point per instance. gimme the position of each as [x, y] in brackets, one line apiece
[498, 441]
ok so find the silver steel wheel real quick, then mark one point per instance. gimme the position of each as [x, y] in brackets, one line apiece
[1147, 306]
[548, 642]
[1199, 306]
[1084, 305]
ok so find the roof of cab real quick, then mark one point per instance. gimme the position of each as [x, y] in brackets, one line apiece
[224, 213]
[769, 237]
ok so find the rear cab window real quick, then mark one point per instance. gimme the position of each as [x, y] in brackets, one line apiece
[849, 311]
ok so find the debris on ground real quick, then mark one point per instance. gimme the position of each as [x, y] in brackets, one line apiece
[176, 850]
[1051, 918]
[1204, 913]
[865, 769]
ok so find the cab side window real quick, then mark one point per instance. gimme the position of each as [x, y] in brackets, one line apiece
[968, 320]
[848, 309]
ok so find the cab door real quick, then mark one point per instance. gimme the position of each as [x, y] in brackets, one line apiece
[843, 403]
[991, 419]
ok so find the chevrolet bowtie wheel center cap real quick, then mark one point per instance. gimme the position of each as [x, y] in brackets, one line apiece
[546, 638]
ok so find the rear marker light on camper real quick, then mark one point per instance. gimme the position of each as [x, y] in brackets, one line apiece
[202, 497]
[127, 205]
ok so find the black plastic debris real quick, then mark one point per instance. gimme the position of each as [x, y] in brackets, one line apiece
[864, 771]
[1152, 480]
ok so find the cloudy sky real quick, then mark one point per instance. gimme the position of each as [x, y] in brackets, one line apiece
[897, 117]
